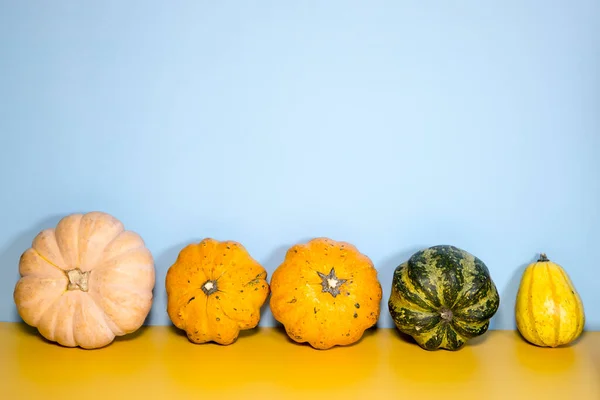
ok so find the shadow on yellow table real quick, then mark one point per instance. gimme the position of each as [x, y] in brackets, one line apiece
[267, 358]
[160, 363]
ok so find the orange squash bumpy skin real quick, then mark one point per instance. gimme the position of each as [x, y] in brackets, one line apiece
[325, 293]
[214, 290]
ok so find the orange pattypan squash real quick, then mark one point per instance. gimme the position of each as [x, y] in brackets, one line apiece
[325, 293]
[214, 290]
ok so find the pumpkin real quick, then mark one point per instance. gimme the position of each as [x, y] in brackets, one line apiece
[548, 309]
[85, 282]
[215, 289]
[325, 293]
[442, 296]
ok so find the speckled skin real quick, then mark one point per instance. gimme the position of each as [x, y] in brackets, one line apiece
[549, 311]
[325, 293]
[443, 296]
[214, 290]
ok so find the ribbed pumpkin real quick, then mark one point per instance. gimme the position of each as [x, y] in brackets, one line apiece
[214, 290]
[325, 293]
[85, 281]
[443, 296]
[549, 311]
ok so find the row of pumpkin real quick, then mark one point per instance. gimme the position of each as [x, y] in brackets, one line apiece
[88, 280]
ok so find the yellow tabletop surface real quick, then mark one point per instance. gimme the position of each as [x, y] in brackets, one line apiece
[160, 363]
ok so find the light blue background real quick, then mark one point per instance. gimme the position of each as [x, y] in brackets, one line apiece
[392, 125]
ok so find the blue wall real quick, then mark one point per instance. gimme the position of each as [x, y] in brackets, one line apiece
[392, 125]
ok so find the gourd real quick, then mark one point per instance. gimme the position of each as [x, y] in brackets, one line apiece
[86, 281]
[442, 297]
[215, 289]
[548, 310]
[325, 293]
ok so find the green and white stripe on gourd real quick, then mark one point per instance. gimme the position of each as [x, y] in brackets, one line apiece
[442, 297]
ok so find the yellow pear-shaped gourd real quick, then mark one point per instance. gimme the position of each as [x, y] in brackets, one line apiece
[549, 311]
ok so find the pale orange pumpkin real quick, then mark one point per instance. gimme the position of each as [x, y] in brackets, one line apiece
[86, 281]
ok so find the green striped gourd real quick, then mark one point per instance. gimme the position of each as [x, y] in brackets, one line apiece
[442, 297]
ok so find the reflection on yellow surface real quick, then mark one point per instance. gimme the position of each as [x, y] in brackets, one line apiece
[270, 357]
[542, 359]
[441, 364]
[160, 363]
[44, 363]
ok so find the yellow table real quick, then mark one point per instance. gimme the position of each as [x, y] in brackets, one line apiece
[160, 363]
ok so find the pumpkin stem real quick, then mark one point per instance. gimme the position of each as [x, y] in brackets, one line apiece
[331, 283]
[543, 258]
[446, 314]
[209, 287]
[78, 280]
